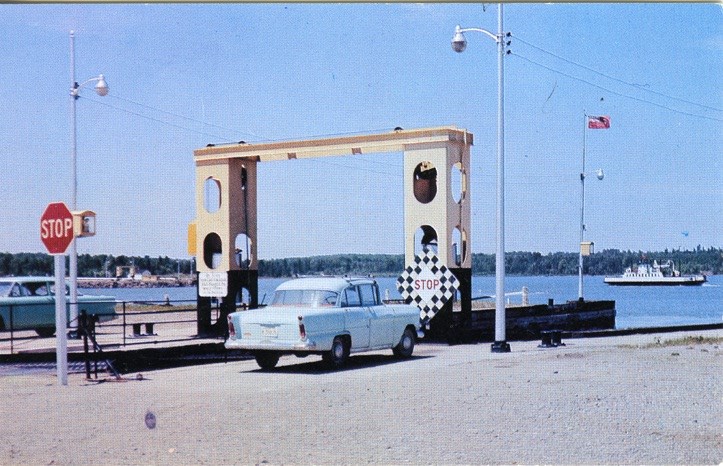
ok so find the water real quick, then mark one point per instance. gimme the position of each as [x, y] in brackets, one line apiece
[637, 306]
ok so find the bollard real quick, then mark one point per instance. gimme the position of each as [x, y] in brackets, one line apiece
[136, 330]
[546, 340]
[557, 338]
[149, 328]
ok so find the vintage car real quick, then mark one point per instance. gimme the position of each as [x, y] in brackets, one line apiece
[28, 303]
[331, 317]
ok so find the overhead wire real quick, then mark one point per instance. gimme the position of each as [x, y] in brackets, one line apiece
[396, 166]
[636, 86]
[224, 138]
[620, 94]
[194, 120]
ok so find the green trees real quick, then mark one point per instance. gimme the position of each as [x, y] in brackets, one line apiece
[607, 262]
[89, 265]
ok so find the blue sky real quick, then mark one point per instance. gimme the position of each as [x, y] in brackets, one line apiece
[184, 75]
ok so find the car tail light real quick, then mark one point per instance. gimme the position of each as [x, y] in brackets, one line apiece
[231, 328]
[302, 328]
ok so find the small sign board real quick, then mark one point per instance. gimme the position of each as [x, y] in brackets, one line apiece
[212, 284]
[427, 283]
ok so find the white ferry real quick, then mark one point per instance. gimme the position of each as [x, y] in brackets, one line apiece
[656, 274]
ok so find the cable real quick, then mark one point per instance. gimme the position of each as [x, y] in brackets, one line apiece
[185, 117]
[614, 92]
[97, 101]
[636, 86]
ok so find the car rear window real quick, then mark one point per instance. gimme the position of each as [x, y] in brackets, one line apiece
[305, 298]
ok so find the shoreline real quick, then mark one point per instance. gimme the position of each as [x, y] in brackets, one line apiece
[155, 282]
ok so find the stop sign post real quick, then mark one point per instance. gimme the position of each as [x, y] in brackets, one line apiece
[56, 233]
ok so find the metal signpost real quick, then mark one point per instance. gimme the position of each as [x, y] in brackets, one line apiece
[56, 233]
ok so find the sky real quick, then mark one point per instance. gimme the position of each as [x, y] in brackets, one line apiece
[185, 75]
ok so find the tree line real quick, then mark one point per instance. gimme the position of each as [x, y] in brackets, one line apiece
[101, 265]
[607, 262]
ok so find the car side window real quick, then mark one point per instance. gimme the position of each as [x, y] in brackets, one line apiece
[351, 297]
[368, 295]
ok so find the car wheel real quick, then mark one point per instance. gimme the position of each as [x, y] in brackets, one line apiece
[406, 345]
[338, 354]
[45, 332]
[267, 360]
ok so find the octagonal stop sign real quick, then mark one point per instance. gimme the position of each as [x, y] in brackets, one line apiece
[56, 228]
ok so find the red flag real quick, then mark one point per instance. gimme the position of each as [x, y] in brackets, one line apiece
[598, 122]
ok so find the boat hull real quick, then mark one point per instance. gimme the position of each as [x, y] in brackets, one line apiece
[666, 281]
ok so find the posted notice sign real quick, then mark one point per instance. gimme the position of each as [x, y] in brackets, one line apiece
[212, 284]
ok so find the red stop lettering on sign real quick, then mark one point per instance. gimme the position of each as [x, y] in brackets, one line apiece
[428, 284]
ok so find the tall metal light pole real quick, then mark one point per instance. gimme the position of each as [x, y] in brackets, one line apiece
[459, 44]
[101, 88]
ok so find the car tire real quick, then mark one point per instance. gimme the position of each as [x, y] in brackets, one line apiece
[337, 356]
[405, 347]
[267, 359]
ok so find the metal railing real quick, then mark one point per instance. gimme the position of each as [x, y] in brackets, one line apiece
[124, 330]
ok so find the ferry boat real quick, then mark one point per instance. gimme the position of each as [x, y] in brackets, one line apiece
[655, 274]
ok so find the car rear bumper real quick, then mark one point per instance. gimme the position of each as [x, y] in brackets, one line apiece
[270, 345]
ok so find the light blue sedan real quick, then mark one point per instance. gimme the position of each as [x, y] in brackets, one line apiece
[28, 303]
[332, 317]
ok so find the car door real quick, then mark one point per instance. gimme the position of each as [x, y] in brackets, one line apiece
[356, 318]
[380, 317]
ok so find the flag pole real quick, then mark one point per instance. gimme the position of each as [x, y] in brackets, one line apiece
[582, 207]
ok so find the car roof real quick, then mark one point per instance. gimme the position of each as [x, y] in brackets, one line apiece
[26, 279]
[323, 283]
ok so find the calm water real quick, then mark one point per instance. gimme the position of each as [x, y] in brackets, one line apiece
[644, 306]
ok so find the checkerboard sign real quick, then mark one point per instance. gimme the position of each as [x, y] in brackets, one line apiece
[428, 283]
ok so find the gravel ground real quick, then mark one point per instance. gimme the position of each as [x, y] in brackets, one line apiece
[617, 400]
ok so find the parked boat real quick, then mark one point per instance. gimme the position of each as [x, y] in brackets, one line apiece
[28, 303]
[655, 274]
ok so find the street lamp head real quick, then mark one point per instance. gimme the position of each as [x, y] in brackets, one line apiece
[600, 174]
[459, 43]
[101, 88]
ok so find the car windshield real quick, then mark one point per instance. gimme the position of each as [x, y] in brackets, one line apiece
[306, 298]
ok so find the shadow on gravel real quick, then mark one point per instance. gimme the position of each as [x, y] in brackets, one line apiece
[315, 366]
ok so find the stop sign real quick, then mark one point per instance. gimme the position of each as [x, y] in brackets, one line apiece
[56, 228]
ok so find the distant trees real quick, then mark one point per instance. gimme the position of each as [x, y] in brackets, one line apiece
[607, 262]
[89, 265]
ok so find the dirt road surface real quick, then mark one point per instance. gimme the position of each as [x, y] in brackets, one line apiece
[621, 400]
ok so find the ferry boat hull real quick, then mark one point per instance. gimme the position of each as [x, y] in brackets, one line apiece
[660, 281]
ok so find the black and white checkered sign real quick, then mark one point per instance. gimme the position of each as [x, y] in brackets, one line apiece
[428, 283]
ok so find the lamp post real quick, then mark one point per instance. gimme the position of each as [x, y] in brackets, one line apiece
[584, 250]
[101, 88]
[459, 44]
